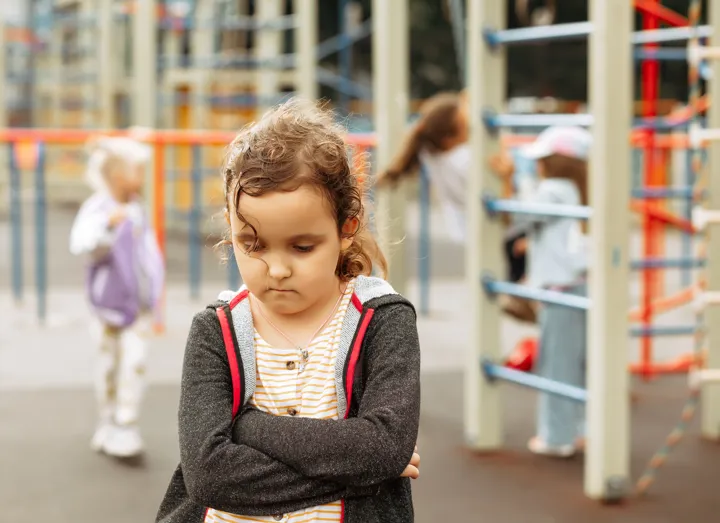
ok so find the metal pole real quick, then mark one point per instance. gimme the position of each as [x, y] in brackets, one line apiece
[3, 77]
[145, 88]
[486, 69]
[710, 396]
[16, 243]
[607, 455]
[650, 73]
[424, 243]
[106, 64]
[457, 16]
[390, 106]
[195, 216]
[145, 81]
[40, 233]
[268, 46]
[344, 55]
[306, 37]
[88, 64]
[532, 381]
[4, 120]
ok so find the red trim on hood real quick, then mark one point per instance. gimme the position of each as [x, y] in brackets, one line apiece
[232, 359]
[238, 298]
[356, 301]
[355, 356]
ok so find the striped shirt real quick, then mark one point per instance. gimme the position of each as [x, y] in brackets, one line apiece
[289, 384]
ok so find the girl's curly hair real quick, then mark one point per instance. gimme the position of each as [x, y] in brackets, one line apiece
[294, 144]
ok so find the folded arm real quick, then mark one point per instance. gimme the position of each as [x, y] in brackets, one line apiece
[377, 444]
[218, 473]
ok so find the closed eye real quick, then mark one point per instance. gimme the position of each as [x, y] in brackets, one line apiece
[304, 248]
[252, 247]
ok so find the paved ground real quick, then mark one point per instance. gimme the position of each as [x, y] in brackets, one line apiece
[47, 416]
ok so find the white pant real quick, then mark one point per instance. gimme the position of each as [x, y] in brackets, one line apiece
[120, 374]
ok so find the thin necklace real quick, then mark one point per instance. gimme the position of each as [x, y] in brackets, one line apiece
[303, 349]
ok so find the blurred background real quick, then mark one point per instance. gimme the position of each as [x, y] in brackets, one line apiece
[198, 70]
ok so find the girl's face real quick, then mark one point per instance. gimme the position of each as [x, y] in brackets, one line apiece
[126, 181]
[298, 246]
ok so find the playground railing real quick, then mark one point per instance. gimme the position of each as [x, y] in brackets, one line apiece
[28, 151]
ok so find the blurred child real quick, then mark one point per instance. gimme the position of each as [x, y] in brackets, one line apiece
[300, 398]
[438, 140]
[124, 282]
[557, 260]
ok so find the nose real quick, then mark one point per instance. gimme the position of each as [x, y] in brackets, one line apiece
[278, 267]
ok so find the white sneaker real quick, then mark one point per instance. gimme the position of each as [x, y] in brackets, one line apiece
[123, 442]
[538, 446]
[102, 432]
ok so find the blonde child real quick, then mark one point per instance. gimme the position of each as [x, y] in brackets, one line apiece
[124, 281]
[300, 394]
[557, 260]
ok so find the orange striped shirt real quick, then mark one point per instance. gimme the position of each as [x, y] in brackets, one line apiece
[287, 387]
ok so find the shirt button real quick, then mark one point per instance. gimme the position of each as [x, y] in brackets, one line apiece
[292, 411]
[278, 517]
[290, 365]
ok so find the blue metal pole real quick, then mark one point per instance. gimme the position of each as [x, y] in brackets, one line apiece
[660, 330]
[580, 30]
[668, 263]
[424, 246]
[494, 121]
[637, 168]
[674, 54]
[457, 19]
[498, 372]
[573, 301]
[580, 212]
[195, 216]
[16, 254]
[661, 193]
[41, 234]
[344, 55]
[687, 239]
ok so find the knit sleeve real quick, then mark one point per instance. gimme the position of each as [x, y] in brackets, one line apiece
[378, 443]
[217, 472]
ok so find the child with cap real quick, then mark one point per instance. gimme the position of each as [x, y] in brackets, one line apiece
[557, 260]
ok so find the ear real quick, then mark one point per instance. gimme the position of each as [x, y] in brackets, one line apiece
[349, 230]
[226, 214]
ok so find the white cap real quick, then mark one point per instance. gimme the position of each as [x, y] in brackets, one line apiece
[568, 141]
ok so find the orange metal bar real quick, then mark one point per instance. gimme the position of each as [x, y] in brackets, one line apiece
[650, 368]
[660, 215]
[165, 136]
[158, 208]
[665, 303]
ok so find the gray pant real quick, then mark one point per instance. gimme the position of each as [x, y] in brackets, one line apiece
[562, 358]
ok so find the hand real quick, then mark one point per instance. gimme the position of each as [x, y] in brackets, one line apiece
[502, 164]
[118, 216]
[412, 471]
[520, 246]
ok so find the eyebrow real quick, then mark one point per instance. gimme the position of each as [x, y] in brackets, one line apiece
[247, 235]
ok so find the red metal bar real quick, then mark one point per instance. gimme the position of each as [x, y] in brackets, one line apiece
[663, 14]
[649, 91]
